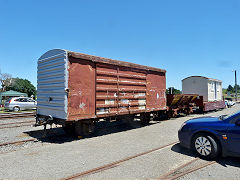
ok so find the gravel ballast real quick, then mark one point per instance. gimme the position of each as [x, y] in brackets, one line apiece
[59, 160]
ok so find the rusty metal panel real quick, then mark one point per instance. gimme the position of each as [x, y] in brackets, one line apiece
[81, 84]
[126, 88]
[156, 89]
[108, 61]
[120, 90]
[132, 90]
[106, 89]
[209, 106]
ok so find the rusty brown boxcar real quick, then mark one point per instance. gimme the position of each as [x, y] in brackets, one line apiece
[76, 90]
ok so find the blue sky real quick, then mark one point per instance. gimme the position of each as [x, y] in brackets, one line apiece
[185, 37]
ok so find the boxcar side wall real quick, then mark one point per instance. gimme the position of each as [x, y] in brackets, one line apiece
[156, 91]
[102, 90]
[81, 84]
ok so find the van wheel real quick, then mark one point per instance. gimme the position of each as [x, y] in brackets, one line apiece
[206, 146]
[16, 109]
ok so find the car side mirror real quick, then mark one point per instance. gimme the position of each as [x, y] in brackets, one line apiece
[237, 123]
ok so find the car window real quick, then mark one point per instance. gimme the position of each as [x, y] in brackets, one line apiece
[234, 119]
[23, 100]
[18, 100]
[8, 100]
[30, 100]
[230, 116]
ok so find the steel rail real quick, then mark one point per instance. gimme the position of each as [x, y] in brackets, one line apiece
[114, 164]
[175, 173]
[32, 139]
[18, 142]
[16, 115]
[7, 127]
[22, 122]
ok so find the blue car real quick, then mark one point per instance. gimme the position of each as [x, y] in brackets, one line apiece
[212, 136]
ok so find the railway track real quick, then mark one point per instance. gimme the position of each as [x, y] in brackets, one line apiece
[186, 168]
[18, 142]
[16, 124]
[176, 173]
[113, 164]
[17, 115]
[53, 136]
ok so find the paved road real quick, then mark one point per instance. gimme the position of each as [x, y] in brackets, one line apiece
[59, 160]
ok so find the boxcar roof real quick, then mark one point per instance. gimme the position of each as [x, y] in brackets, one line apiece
[111, 61]
[203, 77]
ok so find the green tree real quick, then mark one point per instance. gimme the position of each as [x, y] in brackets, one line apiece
[23, 85]
[5, 80]
[238, 88]
[230, 88]
[224, 91]
[173, 90]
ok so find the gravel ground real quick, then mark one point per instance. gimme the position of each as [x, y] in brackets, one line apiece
[225, 168]
[67, 157]
[13, 147]
[24, 133]
[15, 120]
[15, 134]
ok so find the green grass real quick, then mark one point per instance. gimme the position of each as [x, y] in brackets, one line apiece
[4, 112]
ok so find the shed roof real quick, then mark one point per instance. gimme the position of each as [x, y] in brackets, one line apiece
[211, 79]
[12, 93]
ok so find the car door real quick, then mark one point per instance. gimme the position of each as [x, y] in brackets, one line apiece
[31, 103]
[233, 135]
[23, 104]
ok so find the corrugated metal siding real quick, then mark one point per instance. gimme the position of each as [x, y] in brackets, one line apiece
[52, 80]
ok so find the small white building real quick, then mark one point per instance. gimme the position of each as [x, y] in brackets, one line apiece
[210, 89]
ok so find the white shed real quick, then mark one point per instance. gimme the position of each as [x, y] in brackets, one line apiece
[210, 89]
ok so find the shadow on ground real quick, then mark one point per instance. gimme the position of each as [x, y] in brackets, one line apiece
[223, 161]
[58, 136]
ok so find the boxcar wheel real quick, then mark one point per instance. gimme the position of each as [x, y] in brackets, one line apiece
[206, 146]
[69, 129]
[145, 119]
[84, 129]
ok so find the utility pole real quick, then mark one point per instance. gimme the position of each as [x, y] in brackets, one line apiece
[236, 85]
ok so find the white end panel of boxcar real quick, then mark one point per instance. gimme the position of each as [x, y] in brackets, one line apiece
[52, 83]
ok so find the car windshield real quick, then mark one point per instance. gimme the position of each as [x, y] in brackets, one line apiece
[8, 100]
[226, 116]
